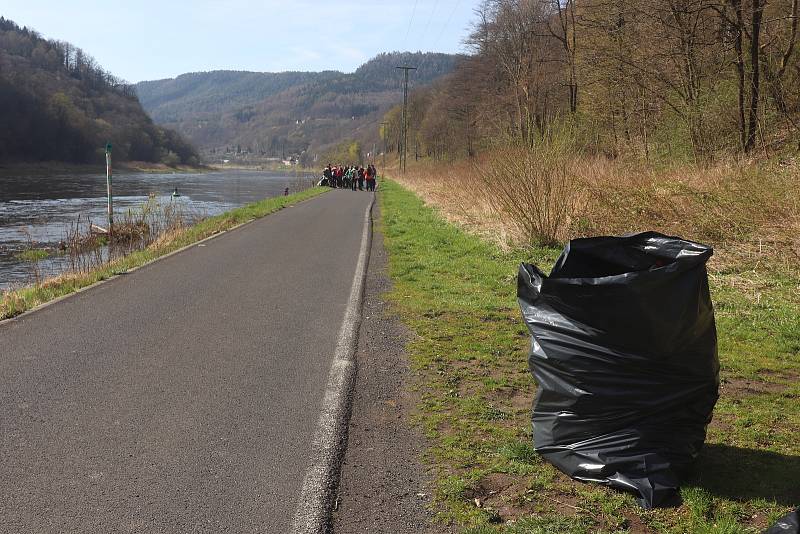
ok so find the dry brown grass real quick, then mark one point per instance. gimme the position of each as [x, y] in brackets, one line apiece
[454, 189]
[750, 212]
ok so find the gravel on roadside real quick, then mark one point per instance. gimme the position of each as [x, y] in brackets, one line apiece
[384, 485]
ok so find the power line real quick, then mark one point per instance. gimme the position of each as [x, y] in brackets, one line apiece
[410, 22]
[430, 19]
[446, 24]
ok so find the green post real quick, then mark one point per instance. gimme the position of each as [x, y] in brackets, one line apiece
[110, 195]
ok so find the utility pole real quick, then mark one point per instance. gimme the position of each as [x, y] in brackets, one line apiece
[383, 127]
[405, 70]
[110, 195]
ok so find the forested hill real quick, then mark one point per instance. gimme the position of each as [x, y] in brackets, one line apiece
[287, 113]
[665, 81]
[57, 104]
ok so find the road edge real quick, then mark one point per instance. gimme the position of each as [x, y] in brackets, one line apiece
[385, 482]
[315, 500]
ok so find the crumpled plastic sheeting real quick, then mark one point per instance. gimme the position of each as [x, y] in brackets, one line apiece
[624, 350]
[789, 524]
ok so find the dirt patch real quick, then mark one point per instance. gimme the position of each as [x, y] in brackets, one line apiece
[635, 525]
[508, 498]
[489, 487]
[738, 388]
[502, 496]
[506, 316]
[519, 401]
[784, 375]
[565, 503]
[757, 522]
[722, 422]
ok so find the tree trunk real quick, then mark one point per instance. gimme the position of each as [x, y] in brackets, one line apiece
[776, 80]
[755, 75]
[573, 89]
[568, 37]
[740, 70]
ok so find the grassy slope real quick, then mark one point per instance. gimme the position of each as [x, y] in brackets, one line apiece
[457, 294]
[17, 302]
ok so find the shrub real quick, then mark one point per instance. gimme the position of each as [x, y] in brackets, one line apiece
[534, 190]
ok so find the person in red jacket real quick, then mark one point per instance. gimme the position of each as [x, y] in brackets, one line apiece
[339, 176]
[372, 175]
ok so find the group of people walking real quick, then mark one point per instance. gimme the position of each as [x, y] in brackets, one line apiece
[350, 177]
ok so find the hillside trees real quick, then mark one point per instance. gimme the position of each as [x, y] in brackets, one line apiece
[57, 103]
[345, 153]
[657, 58]
[654, 78]
[564, 28]
[777, 65]
[311, 112]
[765, 38]
[515, 37]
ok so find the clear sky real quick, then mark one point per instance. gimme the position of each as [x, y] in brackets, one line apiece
[152, 39]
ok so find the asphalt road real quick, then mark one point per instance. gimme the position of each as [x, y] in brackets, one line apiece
[183, 397]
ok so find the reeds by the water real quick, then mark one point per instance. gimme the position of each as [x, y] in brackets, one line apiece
[88, 247]
[85, 246]
[167, 231]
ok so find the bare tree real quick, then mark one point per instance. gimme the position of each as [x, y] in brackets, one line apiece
[566, 33]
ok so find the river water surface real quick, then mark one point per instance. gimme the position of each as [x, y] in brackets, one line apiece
[37, 212]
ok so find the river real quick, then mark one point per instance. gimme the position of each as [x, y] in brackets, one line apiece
[37, 211]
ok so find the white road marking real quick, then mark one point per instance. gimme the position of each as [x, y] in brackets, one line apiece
[316, 495]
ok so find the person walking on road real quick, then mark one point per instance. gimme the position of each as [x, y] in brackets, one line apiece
[339, 176]
[361, 178]
[371, 177]
[353, 178]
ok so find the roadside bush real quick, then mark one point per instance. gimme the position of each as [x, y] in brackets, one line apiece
[533, 189]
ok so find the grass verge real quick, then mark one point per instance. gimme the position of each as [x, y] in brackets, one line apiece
[13, 303]
[456, 293]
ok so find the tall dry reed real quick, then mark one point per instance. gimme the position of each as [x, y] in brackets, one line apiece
[88, 249]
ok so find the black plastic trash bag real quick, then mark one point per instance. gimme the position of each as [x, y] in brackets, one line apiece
[789, 524]
[624, 350]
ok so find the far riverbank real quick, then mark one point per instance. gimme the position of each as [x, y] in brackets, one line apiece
[58, 168]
